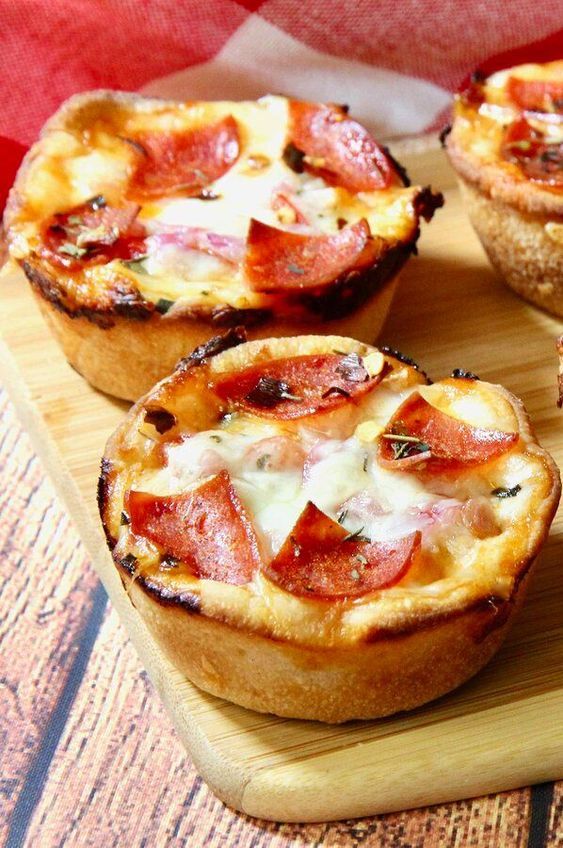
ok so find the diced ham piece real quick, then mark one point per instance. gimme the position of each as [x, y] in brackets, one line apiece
[339, 149]
[279, 260]
[184, 161]
[320, 560]
[206, 528]
[228, 248]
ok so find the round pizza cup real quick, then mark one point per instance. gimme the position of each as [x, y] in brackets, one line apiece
[146, 226]
[506, 145]
[310, 529]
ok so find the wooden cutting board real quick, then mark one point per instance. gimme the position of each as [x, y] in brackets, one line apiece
[499, 731]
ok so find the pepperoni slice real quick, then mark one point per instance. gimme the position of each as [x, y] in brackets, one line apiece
[428, 439]
[321, 560]
[337, 148]
[297, 386]
[93, 233]
[278, 260]
[540, 95]
[539, 158]
[185, 161]
[207, 529]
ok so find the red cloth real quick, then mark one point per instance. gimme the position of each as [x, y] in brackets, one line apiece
[395, 63]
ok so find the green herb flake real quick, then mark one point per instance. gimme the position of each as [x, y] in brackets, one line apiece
[295, 269]
[365, 464]
[162, 305]
[355, 574]
[361, 559]
[502, 492]
[72, 250]
[136, 265]
[124, 519]
[215, 438]
[263, 460]
[356, 536]
[341, 517]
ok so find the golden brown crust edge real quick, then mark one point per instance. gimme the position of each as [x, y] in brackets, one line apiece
[386, 671]
[396, 672]
[96, 337]
[128, 358]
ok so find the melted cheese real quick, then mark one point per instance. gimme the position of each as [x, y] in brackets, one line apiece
[76, 165]
[341, 476]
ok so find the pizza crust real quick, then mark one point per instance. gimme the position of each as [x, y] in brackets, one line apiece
[306, 658]
[517, 220]
[113, 333]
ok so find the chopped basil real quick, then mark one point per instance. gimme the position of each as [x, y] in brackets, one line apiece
[269, 392]
[356, 536]
[129, 561]
[136, 265]
[341, 517]
[124, 518]
[502, 492]
[365, 465]
[404, 446]
[162, 305]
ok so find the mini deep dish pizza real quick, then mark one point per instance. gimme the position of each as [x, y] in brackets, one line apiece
[506, 145]
[145, 225]
[309, 528]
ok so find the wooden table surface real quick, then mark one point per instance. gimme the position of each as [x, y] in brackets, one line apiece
[88, 756]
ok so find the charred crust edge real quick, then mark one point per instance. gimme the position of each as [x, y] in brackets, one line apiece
[189, 601]
[462, 374]
[201, 354]
[400, 169]
[406, 360]
[103, 495]
[127, 302]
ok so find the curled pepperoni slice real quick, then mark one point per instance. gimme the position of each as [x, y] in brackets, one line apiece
[92, 233]
[337, 148]
[185, 161]
[321, 560]
[207, 529]
[540, 95]
[278, 260]
[298, 386]
[420, 436]
[539, 158]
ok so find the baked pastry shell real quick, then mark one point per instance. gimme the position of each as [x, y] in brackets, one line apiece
[399, 662]
[518, 222]
[125, 346]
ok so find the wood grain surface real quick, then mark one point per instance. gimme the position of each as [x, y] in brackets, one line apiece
[88, 756]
